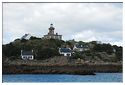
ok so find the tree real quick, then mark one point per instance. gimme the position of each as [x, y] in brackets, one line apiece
[103, 48]
[10, 50]
[33, 38]
[119, 52]
[24, 40]
[77, 55]
[45, 53]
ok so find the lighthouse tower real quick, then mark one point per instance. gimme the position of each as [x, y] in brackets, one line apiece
[51, 34]
[51, 30]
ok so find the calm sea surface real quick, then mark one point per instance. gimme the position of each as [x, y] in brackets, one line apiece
[99, 77]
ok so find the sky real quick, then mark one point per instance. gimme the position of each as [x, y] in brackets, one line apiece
[80, 21]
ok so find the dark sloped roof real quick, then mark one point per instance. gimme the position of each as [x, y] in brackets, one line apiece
[65, 50]
[26, 36]
[27, 53]
[79, 46]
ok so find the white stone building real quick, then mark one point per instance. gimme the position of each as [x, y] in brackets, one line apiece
[27, 55]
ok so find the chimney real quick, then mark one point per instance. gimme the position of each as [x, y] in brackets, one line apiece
[81, 46]
[21, 52]
[32, 51]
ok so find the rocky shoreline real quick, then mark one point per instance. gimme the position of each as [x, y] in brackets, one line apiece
[84, 69]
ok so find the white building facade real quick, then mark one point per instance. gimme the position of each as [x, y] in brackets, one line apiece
[27, 55]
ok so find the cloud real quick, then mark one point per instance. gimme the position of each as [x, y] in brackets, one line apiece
[84, 36]
[81, 21]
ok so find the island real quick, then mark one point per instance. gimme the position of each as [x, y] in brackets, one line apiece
[52, 61]
[52, 55]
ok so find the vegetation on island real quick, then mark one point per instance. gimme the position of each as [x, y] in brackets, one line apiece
[48, 48]
[100, 57]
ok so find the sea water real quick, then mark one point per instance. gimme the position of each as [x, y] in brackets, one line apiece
[99, 77]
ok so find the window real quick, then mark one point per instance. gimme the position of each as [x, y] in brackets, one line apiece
[68, 54]
[24, 57]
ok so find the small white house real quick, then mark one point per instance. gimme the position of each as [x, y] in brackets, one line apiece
[27, 55]
[65, 51]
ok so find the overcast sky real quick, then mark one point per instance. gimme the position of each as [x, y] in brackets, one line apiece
[79, 21]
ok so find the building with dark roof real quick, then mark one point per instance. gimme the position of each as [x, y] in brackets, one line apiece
[27, 55]
[51, 34]
[26, 36]
[65, 51]
[79, 47]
